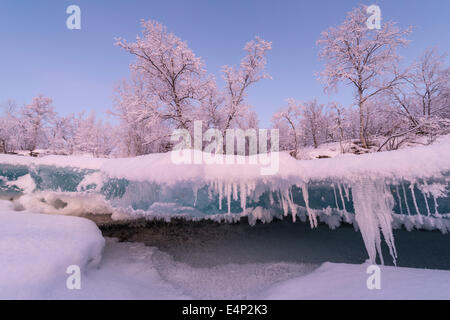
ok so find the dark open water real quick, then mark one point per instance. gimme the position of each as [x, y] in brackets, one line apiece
[207, 244]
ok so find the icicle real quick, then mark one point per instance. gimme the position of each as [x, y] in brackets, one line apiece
[342, 198]
[426, 203]
[235, 191]
[428, 191]
[399, 199]
[283, 204]
[311, 214]
[210, 189]
[335, 197]
[250, 188]
[411, 186]
[195, 190]
[347, 193]
[219, 186]
[253, 186]
[436, 212]
[406, 200]
[373, 211]
[228, 191]
[243, 196]
[271, 197]
[291, 204]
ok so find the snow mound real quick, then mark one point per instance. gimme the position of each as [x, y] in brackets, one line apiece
[36, 250]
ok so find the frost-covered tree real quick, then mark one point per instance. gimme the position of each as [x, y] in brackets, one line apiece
[211, 111]
[302, 124]
[169, 89]
[238, 80]
[10, 129]
[365, 58]
[227, 108]
[340, 122]
[141, 126]
[93, 137]
[5, 127]
[430, 80]
[61, 134]
[404, 103]
[287, 121]
[314, 122]
[170, 70]
[420, 104]
[36, 119]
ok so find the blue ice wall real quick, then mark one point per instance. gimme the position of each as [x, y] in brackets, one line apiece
[204, 199]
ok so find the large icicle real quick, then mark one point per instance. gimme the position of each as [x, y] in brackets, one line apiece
[373, 211]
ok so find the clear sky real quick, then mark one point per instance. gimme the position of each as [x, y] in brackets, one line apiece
[79, 68]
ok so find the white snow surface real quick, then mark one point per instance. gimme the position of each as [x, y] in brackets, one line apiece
[411, 163]
[424, 161]
[348, 281]
[35, 251]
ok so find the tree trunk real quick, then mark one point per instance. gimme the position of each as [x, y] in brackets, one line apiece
[315, 141]
[361, 121]
[295, 136]
[341, 137]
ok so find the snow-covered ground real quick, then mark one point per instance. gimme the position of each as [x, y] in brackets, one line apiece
[333, 149]
[348, 281]
[36, 249]
[429, 160]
